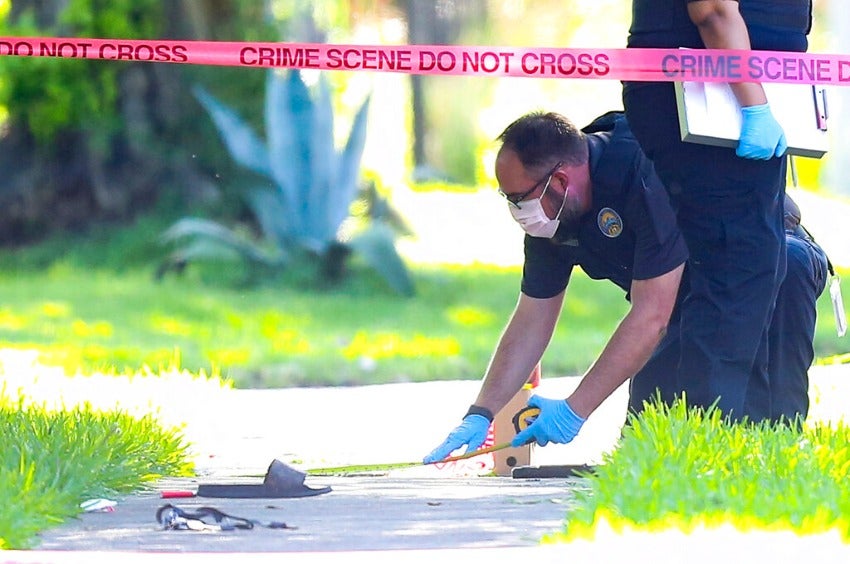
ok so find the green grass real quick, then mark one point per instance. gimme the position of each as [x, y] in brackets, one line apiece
[262, 336]
[52, 460]
[675, 468]
[94, 308]
[90, 303]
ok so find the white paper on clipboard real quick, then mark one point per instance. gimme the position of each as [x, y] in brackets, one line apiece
[710, 114]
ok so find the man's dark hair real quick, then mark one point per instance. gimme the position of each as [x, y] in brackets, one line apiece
[541, 139]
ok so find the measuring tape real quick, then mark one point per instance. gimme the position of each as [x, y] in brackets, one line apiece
[521, 420]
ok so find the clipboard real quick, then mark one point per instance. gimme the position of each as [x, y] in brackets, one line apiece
[709, 114]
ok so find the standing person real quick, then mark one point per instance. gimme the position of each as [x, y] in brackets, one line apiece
[589, 199]
[728, 201]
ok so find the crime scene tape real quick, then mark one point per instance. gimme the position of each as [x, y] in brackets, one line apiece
[652, 65]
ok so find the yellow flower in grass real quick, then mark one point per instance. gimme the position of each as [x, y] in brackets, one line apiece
[82, 328]
[55, 309]
[390, 345]
[11, 321]
[229, 357]
[470, 316]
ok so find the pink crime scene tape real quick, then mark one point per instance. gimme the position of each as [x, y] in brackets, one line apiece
[709, 65]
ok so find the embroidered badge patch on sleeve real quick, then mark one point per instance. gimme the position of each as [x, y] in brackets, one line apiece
[609, 222]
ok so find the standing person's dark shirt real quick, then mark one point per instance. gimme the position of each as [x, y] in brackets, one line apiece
[773, 25]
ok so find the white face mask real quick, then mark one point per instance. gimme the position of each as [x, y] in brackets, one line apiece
[532, 217]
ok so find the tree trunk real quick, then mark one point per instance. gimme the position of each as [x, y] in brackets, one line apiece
[433, 23]
[420, 23]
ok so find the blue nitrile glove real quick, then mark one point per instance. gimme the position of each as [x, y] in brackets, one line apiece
[472, 432]
[557, 422]
[761, 135]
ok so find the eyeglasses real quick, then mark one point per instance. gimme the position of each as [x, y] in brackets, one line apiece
[515, 199]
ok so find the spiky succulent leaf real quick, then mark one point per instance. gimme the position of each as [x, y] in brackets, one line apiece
[348, 172]
[322, 197]
[376, 245]
[272, 214]
[202, 238]
[289, 111]
[203, 249]
[245, 147]
[286, 157]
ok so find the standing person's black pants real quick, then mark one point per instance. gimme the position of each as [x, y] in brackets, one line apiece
[730, 212]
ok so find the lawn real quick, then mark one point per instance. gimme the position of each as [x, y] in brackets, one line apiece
[91, 303]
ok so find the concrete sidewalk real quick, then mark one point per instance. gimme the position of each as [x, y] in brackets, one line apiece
[239, 432]
[405, 515]
[361, 513]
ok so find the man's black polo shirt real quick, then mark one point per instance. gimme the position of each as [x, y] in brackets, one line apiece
[629, 233]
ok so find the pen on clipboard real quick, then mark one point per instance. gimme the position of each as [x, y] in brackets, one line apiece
[821, 109]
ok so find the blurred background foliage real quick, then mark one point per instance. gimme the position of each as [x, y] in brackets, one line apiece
[88, 141]
[98, 158]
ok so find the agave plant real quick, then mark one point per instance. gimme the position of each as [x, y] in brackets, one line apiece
[308, 192]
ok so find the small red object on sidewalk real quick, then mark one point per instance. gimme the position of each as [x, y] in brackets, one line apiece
[169, 494]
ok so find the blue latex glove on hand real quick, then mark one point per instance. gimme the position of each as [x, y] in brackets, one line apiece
[761, 135]
[472, 432]
[557, 423]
